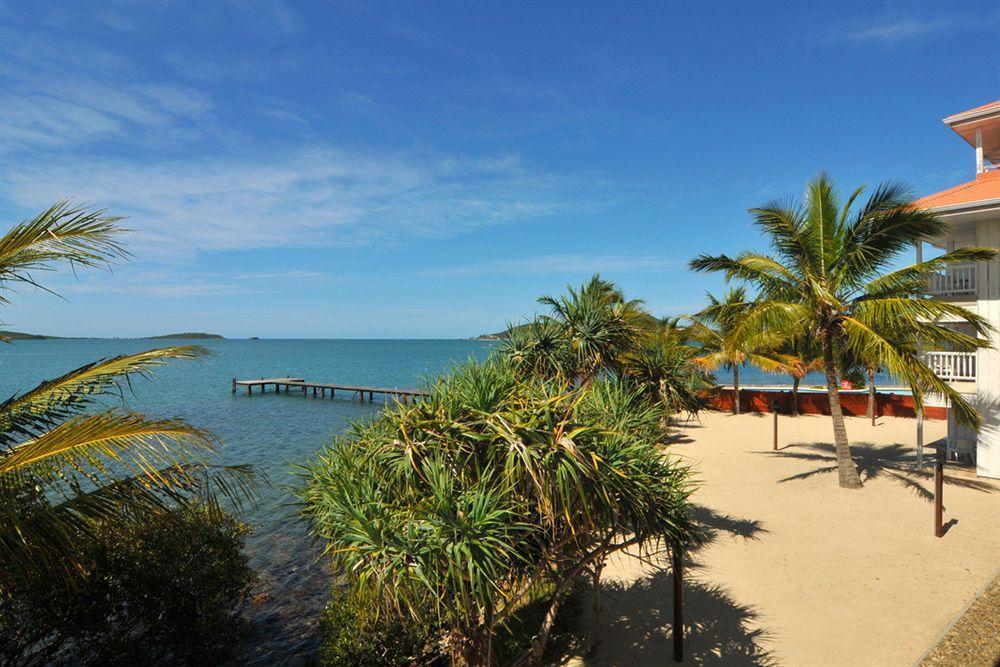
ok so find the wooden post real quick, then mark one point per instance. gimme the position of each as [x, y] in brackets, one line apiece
[677, 556]
[303, 390]
[938, 500]
[249, 389]
[234, 385]
[774, 411]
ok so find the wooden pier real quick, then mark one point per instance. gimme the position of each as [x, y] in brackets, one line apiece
[321, 388]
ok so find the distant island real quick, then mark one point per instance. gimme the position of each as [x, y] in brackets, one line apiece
[19, 335]
[190, 335]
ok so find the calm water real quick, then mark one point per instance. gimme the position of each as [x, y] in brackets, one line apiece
[272, 431]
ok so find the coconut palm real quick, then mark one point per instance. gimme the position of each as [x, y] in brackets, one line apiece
[801, 356]
[67, 460]
[725, 342]
[830, 275]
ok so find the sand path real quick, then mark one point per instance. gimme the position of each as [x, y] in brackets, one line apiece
[801, 572]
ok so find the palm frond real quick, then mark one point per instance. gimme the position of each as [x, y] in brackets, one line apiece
[25, 415]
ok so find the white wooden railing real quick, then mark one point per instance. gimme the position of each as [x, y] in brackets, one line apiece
[956, 366]
[954, 280]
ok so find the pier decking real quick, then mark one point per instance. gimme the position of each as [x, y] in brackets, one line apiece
[321, 388]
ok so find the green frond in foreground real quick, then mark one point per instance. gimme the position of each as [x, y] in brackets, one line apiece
[63, 233]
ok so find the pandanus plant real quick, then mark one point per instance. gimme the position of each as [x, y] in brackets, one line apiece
[68, 461]
[830, 274]
[452, 511]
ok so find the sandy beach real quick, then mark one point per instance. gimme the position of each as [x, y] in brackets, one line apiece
[799, 571]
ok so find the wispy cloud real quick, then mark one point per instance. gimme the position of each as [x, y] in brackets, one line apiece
[314, 197]
[891, 31]
[559, 264]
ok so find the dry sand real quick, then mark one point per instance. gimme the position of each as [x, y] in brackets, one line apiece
[799, 571]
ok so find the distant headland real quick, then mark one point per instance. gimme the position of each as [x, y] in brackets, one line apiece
[190, 335]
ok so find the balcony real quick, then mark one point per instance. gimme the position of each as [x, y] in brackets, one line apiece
[954, 280]
[952, 366]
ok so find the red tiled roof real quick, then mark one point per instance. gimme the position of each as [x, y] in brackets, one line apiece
[975, 111]
[985, 187]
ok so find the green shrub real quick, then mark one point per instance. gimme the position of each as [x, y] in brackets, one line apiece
[352, 637]
[157, 588]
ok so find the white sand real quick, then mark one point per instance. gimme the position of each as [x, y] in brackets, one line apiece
[802, 572]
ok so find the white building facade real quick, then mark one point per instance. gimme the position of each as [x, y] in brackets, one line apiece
[973, 209]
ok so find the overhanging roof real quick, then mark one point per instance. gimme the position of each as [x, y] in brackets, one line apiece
[986, 119]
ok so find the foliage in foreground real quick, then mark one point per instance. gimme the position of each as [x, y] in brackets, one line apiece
[68, 462]
[451, 511]
[162, 588]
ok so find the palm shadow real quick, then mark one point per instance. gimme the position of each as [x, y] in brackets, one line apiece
[894, 462]
[638, 616]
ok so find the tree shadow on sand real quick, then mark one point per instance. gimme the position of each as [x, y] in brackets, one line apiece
[894, 462]
[638, 615]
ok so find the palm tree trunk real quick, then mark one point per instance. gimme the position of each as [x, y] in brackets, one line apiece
[736, 389]
[846, 470]
[871, 395]
[795, 395]
[595, 630]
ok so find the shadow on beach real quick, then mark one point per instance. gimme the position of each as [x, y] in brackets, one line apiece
[638, 615]
[894, 462]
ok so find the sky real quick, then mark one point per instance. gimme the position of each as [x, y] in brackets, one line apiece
[427, 170]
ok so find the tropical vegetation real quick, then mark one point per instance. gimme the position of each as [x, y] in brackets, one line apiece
[831, 274]
[514, 476]
[725, 342]
[75, 463]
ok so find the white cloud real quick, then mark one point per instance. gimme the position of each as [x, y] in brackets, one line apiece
[316, 197]
[559, 264]
[895, 30]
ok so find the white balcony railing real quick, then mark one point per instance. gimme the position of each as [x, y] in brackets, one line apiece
[952, 366]
[954, 280]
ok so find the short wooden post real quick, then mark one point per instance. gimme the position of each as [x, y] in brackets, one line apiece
[677, 556]
[774, 411]
[249, 389]
[303, 390]
[938, 499]
[234, 385]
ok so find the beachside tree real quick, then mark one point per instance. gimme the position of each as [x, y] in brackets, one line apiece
[801, 357]
[454, 511]
[727, 343]
[830, 273]
[661, 365]
[67, 461]
[597, 324]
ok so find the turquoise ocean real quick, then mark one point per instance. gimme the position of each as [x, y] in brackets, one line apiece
[273, 432]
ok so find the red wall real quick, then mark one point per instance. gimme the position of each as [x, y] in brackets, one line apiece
[818, 403]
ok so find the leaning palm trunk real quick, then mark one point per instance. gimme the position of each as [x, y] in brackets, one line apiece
[847, 472]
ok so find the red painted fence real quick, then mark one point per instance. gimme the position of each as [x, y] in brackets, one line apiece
[818, 403]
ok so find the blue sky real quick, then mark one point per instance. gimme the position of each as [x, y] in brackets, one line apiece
[323, 169]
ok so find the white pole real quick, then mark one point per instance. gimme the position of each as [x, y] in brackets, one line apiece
[920, 438]
[979, 150]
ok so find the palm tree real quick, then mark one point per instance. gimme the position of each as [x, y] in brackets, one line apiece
[801, 358]
[63, 466]
[829, 275]
[726, 343]
[537, 347]
[597, 324]
[661, 365]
